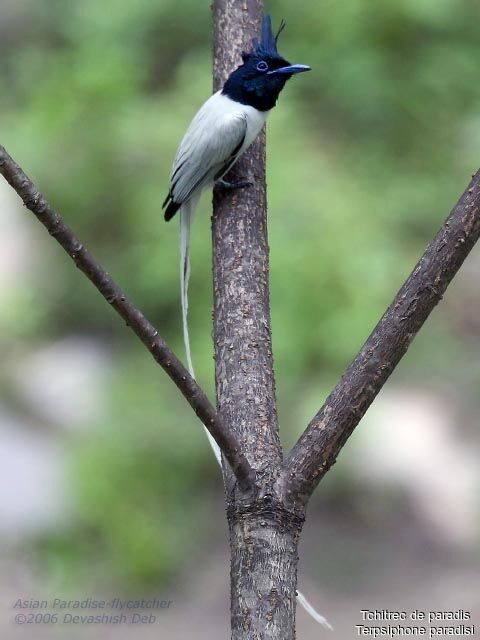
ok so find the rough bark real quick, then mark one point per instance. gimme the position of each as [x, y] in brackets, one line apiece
[243, 345]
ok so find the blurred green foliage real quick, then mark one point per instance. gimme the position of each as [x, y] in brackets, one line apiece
[366, 155]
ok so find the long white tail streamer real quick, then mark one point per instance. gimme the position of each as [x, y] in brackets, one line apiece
[310, 610]
[187, 213]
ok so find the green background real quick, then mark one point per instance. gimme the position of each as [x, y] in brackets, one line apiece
[366, 156]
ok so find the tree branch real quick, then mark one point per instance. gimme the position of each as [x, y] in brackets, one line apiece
[318, 447]
[35, 201]
[242, 334]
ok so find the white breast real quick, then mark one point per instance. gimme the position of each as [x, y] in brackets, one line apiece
[212, 137]
[218, 109]
[255, 121]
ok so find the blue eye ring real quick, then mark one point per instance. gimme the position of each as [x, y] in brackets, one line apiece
[262, 66]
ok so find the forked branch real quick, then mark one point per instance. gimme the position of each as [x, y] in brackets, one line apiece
[318, 447]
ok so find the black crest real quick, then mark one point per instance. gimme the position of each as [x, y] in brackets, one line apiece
[264, 72]
[267, 46]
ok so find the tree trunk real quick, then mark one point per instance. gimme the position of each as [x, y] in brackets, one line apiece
[263, 535]
[264, 558]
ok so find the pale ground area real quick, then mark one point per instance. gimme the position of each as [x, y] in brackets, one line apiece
[421, 553]
[361, 570]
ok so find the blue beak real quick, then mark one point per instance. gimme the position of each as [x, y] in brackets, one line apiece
[290, 70]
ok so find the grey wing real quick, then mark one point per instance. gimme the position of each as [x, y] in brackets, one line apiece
[210, 146]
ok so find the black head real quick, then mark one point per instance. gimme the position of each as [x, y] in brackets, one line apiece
[263, 74]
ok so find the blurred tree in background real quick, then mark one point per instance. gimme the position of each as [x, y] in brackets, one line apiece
[365, 158]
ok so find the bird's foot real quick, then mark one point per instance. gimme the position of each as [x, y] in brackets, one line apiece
[238, 184]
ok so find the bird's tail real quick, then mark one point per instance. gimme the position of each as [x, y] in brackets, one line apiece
[187, 213]
[186, 216]
[313, 612]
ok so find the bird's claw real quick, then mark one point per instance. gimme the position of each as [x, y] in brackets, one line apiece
[238, 184]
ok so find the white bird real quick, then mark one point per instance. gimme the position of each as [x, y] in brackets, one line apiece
[218, 135]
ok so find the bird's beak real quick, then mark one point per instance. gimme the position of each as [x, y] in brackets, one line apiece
[290, 70]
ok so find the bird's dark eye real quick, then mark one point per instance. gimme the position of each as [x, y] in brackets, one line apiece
[262, 66]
